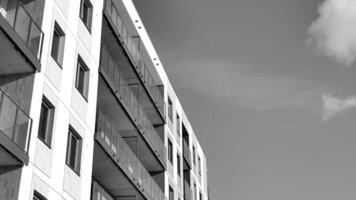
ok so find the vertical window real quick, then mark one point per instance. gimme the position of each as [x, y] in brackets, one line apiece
[38, 196]
[171, 193]
[170, 151]
[74, 146]
[194, 155]
[46, 122]
[178, 165]
[178, 125]
[58, 44]
[200, 196]
[170, 109]
[86, 12]
[195, 192]
[82, 78]
[199, 166]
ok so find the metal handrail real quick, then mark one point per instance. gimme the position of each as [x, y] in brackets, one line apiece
[3, 94]
[134, 52]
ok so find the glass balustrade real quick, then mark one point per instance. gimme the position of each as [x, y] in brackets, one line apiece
[23, 24]
[187, 191]
[131, 103]
[133, 44]
[14, 122]
[186, 151]
[109, 133]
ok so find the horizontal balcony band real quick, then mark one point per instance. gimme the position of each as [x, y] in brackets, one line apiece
[132, 45]
[135, 111]
[116, 146]
[15, 128]
[23, 30]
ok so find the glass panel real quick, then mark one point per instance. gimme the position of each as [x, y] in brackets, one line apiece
[35, 38]
[22, 23]
[21, 129]
[7, 116]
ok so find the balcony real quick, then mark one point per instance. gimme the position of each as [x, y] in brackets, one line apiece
[186, 154]
[20, 39]
[15, 126]
[114, 79]
[187, 191]
[138, 59]
[117, 167]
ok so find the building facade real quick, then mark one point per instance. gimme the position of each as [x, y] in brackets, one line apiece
[87, 111]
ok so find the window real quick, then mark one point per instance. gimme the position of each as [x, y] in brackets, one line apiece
[200, 196]
[46, 122]
[170, 109]
[195, 191]
[58, 44]
[171, 193]
[178, 125]
[170, 151]
[82, 78]
[178, 164]
[199, 166]
[194, 155]
[38, 196]
[74, 146]
[86, 12]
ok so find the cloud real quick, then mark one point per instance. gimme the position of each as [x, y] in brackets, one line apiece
[334, 32]
[335, 105]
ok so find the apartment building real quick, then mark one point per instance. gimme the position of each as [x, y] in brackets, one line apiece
[87, 110]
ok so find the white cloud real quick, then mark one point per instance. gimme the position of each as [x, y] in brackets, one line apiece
[335, 105]
[334, 32]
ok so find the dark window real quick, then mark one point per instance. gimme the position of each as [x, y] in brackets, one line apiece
[171, 193]
[38, 196]
[200, 196]
[82, 78]
[46, 122]
[86, 12]
[178, 164]
[170, 109]
[74, 146]
[199, 165]
[58, 44]
[170, 151]
[194, 155]
[178, 125]
[195, 192]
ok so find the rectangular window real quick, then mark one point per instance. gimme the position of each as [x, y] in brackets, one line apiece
[170, 109]
[194, 155]
[74, 146]
[46, 122]
[178, 165]
[200, 196]
[170, 151]
[195, 191]
[86, 12]
[38, 196]
[82, 78]
[171, 193]
[199, 166]
[58, 44]
[178, 124]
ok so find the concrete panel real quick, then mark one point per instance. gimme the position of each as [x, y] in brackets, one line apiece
[43, 158]
[72, 183]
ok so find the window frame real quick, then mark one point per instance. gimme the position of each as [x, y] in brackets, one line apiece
[170, 151]
[58, 58]
[86, 17]
[78, 150]
[170, 109]
[178, 165]
[178, 124]
[49, 121]
[38, 196]
[85, 69]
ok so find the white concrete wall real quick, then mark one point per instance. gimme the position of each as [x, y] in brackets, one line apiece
[47, 172]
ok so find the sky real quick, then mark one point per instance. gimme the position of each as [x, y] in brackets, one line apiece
[269, 88]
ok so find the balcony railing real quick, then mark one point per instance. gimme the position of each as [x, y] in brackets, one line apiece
[131, 103]
[120, 148]
[24, 25]
[14, 122]
[186, 152]
[132, 45]
[187, 191]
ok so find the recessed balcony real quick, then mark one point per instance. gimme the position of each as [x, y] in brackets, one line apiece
[15, 126]
[20, 39]
[134, 61]
[187, 158]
